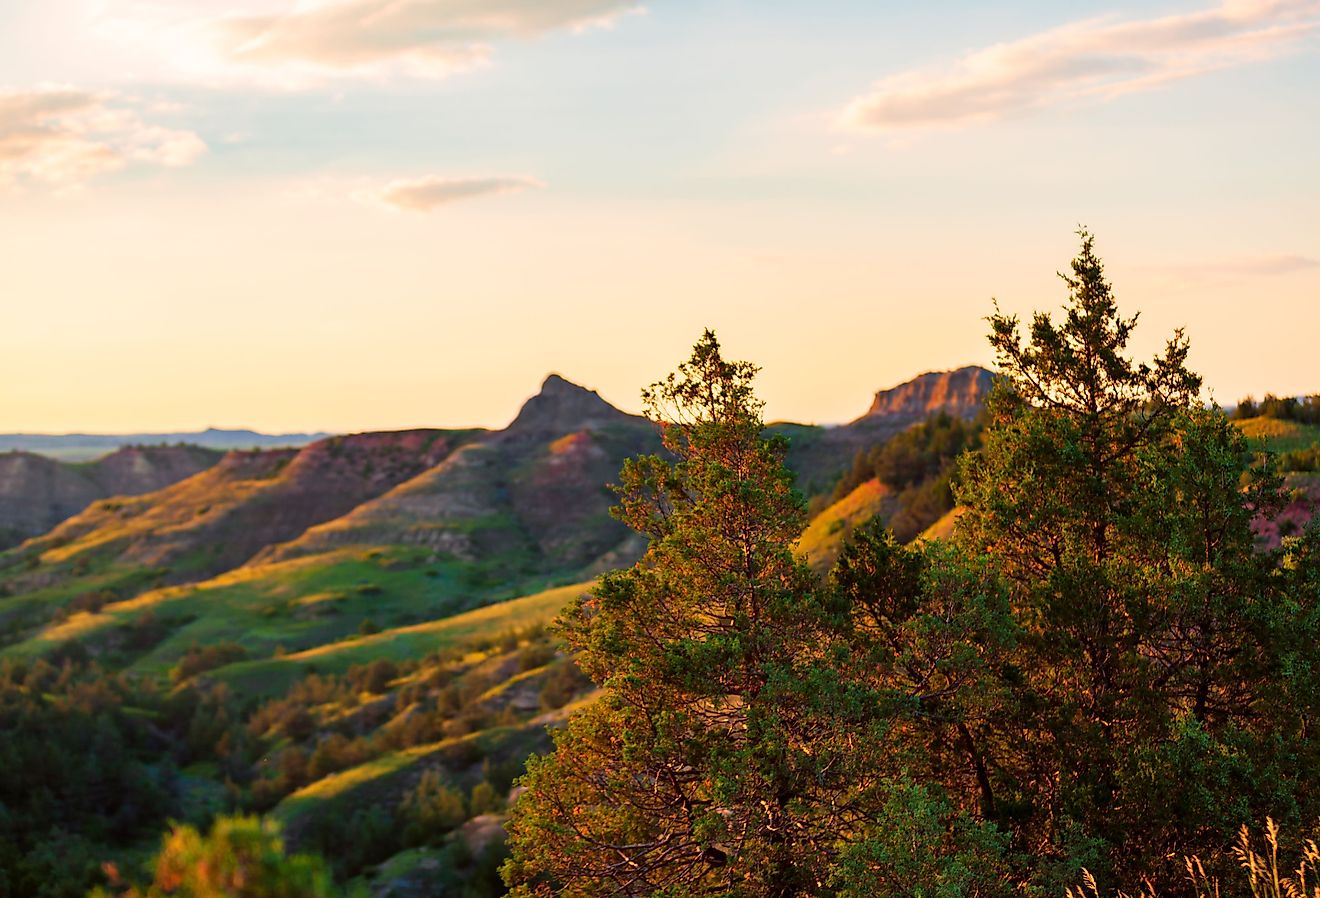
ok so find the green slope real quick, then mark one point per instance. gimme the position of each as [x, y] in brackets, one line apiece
[825, 537]
[269, 676]
[1280, 436]
[287, 606]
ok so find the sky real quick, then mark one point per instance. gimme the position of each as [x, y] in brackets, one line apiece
[366, 214]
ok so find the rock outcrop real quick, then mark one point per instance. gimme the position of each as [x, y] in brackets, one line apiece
[563, 407]
[962, 392]
[818, 455]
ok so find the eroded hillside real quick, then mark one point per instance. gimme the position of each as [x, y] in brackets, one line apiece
[37, 492]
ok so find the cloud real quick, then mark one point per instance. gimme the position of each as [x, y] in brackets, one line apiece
[1263, 266]
[1093, 59]
[62, 138]
[428, 193]
[296, 44]
[1229, 271]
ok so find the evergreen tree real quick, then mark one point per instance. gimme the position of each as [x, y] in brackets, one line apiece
[723, 756]
[1104, 667]
[931, 635]
[1158, 705]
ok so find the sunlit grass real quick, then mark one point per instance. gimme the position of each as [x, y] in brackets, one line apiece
[1278, 435]
[260, 606]
[822, 541]
[1267, 872]
[270, 676]
[381, 775]
[943, 528]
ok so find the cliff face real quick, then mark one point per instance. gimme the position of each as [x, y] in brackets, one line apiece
[37, 492]
[818, 455]
[961, 392]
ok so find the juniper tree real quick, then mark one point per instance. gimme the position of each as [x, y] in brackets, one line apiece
[1104, 666]
[722, 756]
[931, 635]
[1158, 702]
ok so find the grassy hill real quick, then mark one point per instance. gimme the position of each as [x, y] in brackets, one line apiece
[825, 537]
[37, 492]
[303, 608]
[267, 675]
[337, 633]
[287, 551]
[1279, 435]
[205, 525]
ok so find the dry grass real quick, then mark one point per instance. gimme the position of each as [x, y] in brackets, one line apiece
[1266, 878]
[825, 537]
[1280, 436]
[943, 528]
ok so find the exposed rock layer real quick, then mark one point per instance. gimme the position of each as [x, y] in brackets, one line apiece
[961, 392]
[37, 492]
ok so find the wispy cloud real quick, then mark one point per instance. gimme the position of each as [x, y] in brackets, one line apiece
[297, 44]
[1234, 270]
[62, 138]
[1092, 59]
[429, 193]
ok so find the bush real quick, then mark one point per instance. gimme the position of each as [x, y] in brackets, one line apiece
[239, 856]
[1305, 460]
[380, 673]
[199, 660]
[483, 799]
[562, 684]
[534, 655]
[431, 809]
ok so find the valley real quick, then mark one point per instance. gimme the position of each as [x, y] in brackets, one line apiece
[430, 562]
[352, 636]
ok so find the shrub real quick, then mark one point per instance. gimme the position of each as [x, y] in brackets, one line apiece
[431, 809]
[199, 660]
[239, 856]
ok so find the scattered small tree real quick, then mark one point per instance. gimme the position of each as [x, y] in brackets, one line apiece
[241, 857]
[431, 809]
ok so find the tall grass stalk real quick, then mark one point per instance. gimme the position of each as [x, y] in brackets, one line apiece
[1265, 878]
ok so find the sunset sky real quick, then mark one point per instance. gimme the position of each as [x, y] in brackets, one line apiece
[370, 214]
